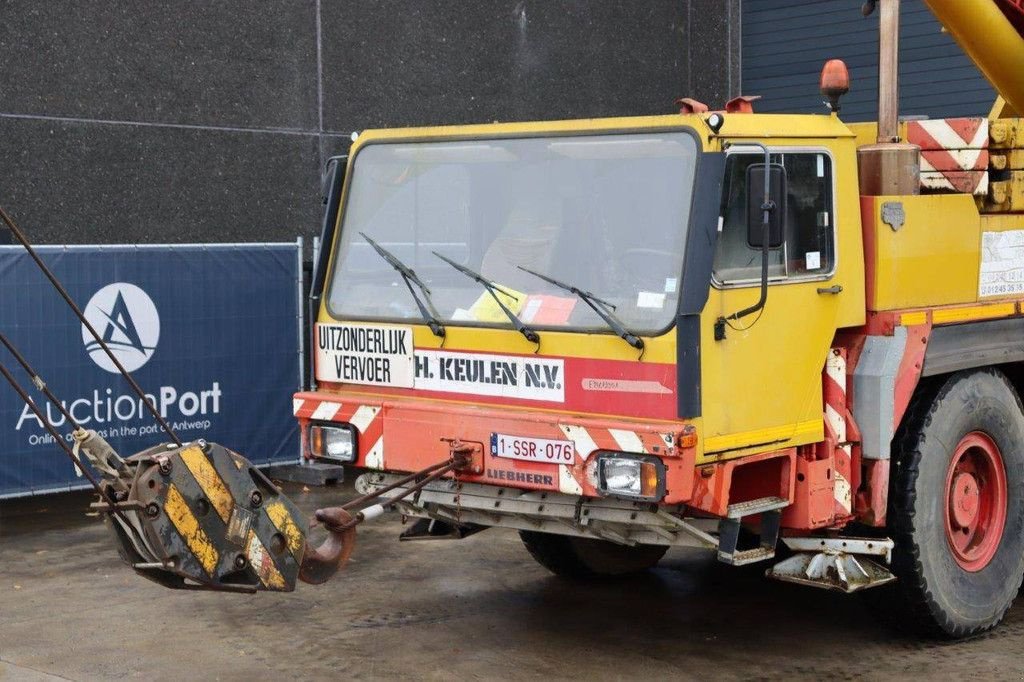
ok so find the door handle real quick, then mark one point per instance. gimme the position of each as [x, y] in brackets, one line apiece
[834, 289]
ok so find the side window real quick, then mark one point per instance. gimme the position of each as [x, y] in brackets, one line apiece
[809, 246]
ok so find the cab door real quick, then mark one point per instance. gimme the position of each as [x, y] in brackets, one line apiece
[761, 379]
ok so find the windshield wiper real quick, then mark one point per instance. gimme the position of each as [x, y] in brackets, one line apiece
[409, 276]
[600, 306]
[493, 289]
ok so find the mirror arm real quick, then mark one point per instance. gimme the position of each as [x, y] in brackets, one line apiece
[767, 206]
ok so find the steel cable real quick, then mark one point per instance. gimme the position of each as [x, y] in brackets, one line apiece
[20, 236]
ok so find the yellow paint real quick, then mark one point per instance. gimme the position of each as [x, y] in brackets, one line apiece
[763, 381]
[1001, 222]
[1007, 195]
[911, 319]
[188, 527]
[866, 132]
[208, 479]
[933, 259]
[959, 314]
[780, 129]
[263, 563]
[285, 525]
[1000, 109]
[977, 312]
[732, 445]
[990, 40]
[761, 385]
[776, 127]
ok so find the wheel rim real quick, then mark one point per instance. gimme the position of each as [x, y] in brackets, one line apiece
[975, 507]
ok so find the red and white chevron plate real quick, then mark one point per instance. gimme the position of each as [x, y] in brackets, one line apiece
[954, 153]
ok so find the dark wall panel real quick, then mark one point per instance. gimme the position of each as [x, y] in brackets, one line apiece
[512, 60]
[184, 121]
[91, 183]
[229, 62]
[785, 43]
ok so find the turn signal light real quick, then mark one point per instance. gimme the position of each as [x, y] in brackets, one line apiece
[316, 441]
[648, 479]
[688, 438]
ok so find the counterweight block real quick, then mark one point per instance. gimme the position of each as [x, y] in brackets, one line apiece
[200, 516]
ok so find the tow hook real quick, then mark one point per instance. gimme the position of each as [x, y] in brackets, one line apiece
[321, 563]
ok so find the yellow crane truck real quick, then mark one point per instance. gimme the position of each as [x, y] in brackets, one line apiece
[713, 328]
[719, 329]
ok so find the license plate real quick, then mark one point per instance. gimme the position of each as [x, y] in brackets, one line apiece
[542, 450]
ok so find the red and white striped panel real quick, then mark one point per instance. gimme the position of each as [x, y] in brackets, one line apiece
[954, 153]
[835, 414]
[366, 418]
[588, 440]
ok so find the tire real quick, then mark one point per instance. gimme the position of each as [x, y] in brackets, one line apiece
[582, 558]
[956, 505]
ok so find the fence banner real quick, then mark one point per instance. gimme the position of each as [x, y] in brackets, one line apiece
[210, 332]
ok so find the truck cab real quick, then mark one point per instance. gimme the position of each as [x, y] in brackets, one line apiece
[557, 300]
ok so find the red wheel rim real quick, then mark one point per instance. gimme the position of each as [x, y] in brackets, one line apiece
[975, 504]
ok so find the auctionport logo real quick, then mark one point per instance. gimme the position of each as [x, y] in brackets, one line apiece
[127, 321]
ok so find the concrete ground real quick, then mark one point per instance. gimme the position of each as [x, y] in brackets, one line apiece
[471, 609]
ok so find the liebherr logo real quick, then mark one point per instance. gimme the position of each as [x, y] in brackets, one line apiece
[127, 321]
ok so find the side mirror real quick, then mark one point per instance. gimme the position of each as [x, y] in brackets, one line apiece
[755, 200]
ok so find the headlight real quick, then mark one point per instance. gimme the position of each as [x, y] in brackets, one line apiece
[635, 476]
[332, 442]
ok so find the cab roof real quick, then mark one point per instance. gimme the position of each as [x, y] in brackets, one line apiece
[749, 126]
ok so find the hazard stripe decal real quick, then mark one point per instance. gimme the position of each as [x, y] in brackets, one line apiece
[208, 479]
[263, 563]
[363, 417]
[325, 411]
[954, 153]
[285, 525]
[187, 525]
[628, 441]
[581, 439]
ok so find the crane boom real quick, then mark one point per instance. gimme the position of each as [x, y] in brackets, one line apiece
[992, 35]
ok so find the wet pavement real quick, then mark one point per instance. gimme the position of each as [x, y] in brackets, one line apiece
[478, 608]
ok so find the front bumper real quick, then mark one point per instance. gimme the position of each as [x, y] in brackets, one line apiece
[618, 521]
[407, 433]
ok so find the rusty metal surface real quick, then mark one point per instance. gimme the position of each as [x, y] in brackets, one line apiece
[478, 608]
[208, 519]
[321, 563]
[889, 169]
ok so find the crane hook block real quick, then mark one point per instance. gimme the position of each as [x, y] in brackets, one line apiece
[200, 516]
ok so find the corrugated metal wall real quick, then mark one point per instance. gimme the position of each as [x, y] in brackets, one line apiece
[785, 42]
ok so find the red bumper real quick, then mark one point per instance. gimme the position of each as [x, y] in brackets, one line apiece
[407, 434]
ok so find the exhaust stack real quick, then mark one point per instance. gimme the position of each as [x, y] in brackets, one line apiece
[889, 166]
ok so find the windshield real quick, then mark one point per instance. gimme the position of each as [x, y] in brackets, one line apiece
[606, 214]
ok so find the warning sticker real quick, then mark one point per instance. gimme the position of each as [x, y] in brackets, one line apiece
[364, 354]
[1002, 263]
[495, 375]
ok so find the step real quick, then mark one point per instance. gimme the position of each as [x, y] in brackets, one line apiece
[758, 506]
[747, 556]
